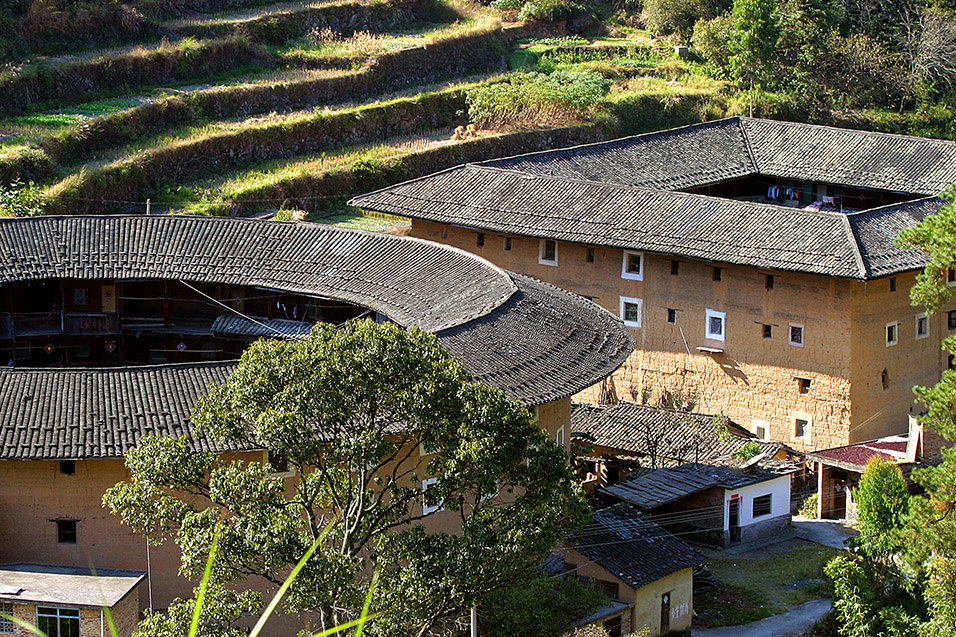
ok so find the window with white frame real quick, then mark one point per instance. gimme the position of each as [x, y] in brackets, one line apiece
[922, 326]
[892, 333]
[761, 505]
[633, 266]
[631, 311]
[281, 466]
[58, 622]
[547, 252]
[795, 334]
[429, 505]
[715, 324]
[559, 436]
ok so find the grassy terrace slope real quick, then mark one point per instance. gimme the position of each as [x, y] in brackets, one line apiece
[302, 104]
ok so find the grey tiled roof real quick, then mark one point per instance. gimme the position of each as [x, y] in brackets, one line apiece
[876, 229]
[620, 194]
[681, 436]
[537, 344]
[670, 484]
[259, 327]
[541, 343]
[100, 413]
[629, 545]
[413, 282]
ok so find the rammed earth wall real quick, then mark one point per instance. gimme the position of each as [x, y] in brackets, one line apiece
[752, 379]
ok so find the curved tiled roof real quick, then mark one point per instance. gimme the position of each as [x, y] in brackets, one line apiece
[621, 194]
[443, 287]
[538, 344]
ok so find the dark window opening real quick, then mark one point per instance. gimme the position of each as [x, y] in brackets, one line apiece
[767, 330]
[481, 239]
[951, 361]
[278, 462]
[507, 244]
[717, 273]
[613, 627]
[761, 505]
[951, 319]
[768, 281]
[550, 251]
[58, 622]
[590, 257]
[885, 379]
[444, 233]
[803, 385]
[892, 284]
[610, 589]
[801, 428]
[671, 315]
[675, 267]
[67, 467]
[66, 531]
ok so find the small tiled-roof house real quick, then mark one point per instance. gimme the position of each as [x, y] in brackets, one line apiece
[635, 561]
[627, 435]
[753, 260]
[711, 504]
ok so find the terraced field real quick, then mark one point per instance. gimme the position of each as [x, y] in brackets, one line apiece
[303, 104]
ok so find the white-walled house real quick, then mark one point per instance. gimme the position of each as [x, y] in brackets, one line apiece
[711, 504]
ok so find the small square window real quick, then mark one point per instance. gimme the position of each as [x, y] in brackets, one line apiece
[548, 252]
[760, 429]
[675, 267]
[714, 326]
[768, 281]
[892, 333]
[767, 330]
[428, 505]
[718, 273]
[507, 244]
[801, 428]
[67, 467]
[81, 296]
[66, 531]
[633, 267]
[803, 385]
[590, 255]
[481, 239]
[761, 505]
[671, 315]
[922, 326]
[951, 319]
[631, 311]
[795, 334]
[892, 284]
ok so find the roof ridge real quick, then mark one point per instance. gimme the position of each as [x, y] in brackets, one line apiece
[749, 147]
[857, 251]
[890, 206]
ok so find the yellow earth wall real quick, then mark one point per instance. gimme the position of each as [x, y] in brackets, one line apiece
[754, 380]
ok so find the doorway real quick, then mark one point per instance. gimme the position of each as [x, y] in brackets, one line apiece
[734, 520]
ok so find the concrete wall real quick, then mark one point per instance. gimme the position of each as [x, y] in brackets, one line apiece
[754, 380]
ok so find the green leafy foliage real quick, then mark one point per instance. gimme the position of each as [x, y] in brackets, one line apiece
[362, 414]
[747, 452]
[536, 97]
[883, 502]
[21, 200]
[537, 606]
[678, 16]
[753, 46]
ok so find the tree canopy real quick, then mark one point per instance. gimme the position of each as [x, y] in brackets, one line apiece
[363, 415]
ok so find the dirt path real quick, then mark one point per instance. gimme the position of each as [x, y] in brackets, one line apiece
[790, 624]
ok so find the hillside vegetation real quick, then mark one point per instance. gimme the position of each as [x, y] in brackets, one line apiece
[238, 106]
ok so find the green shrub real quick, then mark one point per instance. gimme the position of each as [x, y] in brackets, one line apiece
[536, 98]
[809, 507]
[537, 606]
[21, 200]
[710, 41]
[677, 16]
